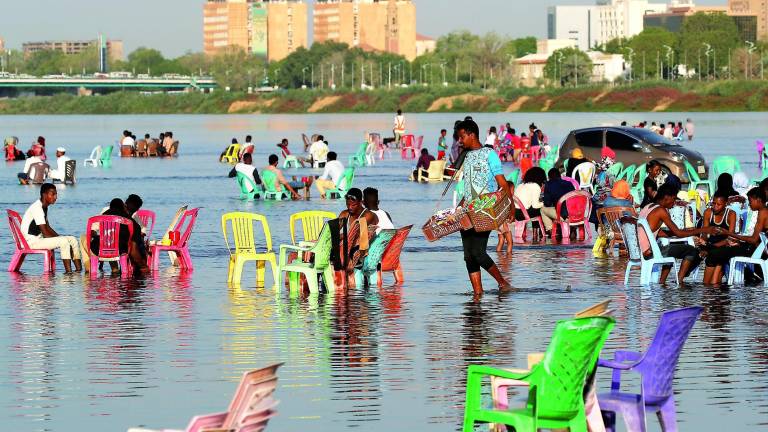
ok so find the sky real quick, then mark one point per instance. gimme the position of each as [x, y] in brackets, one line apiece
[175, 26]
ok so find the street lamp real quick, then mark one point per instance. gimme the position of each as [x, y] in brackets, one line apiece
[424, 72]
[748, 59]
[669, 64]
[304, 77]
[631, 65]
[442, 66]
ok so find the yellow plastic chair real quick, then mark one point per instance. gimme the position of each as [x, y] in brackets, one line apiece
[435, 172]
[245, 246]
[311, 223]
[232, 155]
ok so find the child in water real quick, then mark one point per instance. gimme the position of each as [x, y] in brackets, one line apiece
[505, 234]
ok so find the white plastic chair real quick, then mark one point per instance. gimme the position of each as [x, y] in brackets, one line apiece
[737, 264]
[585, 173]
[94, 158]
[649, 267]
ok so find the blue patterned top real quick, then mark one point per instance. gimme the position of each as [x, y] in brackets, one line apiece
[481, 166]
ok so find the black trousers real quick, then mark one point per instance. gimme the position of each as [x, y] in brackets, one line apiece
[475, 250]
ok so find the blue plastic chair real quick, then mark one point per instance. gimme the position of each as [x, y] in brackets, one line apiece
[657, 370]
[649, 267]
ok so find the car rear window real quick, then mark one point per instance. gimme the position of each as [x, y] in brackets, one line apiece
[591, 138]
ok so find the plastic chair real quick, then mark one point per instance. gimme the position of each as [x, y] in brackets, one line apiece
[312, 222]
[269, 181]
[184, 227]
[106, 156]
[255, 192]
[231, 155]
[608, 217]
[521, 225]
[627, 173]
[657, 370]
[109, 230]
[407, 145]
[419, 142]
[681, 213]
[23, 249]
[70, 167]
[319, 264]
[648, 266]
[579, 207]
[372, 148]
[344, 184]
[94, 158]
[381, 148]
[555, 399]
[291, 162]
[147, 219]
[586, 174]
[737, 264]
[38, 172]
[513, 176]
[434, 173]
[616, 169]
[359, 159]
[368, 273]
[390, 261]
[244, 246]
[694, 181]
[152, 148]
[141, 148]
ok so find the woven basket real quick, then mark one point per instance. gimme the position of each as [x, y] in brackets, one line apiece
[436, 229]
[489, 211]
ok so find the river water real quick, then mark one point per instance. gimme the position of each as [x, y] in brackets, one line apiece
[105, 355]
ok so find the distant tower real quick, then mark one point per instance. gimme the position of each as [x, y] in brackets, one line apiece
[102, 54]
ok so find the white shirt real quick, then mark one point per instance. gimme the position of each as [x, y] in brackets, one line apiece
[529, 195]
[60, 172]
[384, 221]
[246, 170]
[31, 161]
[32, 219]
[333, 170]
[245, 147]
[491, 140]
[128, 141]
[668, 133]
[319, 151]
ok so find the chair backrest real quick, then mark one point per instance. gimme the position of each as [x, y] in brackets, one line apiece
[312, 222]
[761, 247]
[570, 356]
[419, 142]
[243, 236]
[347, 179]
[95, 153]
[514, 176]
[322, 248]
[660, 360]
[307, 143]
[615, 169]
[109, 233]
[643, 224]
[638, 177]
[38, 172]
[725, 164]
[152, 147]
[519, 205]
[691, 171]
[243, 181]
[609, 215]
[254, 385]
[185, 225]
[141, 146]
[436, 169]
[377, 248]
[106, 154]
[627, 173]
[407, 141]
[628, 227]
[678, 212]
[597, 309]
[147, 218]
[70, 167]
[391, 258]
[14, 223]
[233, 151]
[268, 179]
[578, 204]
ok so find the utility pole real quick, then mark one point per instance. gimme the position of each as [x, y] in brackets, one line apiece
[342, 74]
[312, 77]
[389, 75]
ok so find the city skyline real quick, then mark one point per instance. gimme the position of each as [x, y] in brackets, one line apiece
[175, 25]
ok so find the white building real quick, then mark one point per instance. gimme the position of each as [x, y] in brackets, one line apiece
[607, 19]
[530, 69]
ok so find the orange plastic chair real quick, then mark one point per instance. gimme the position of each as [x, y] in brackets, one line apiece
[390, 261]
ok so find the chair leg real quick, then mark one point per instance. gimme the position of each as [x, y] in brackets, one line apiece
[275, 272]
[260, 270]
[668, 415]
[237, 270]
[634, 416]
[399, 275]
[94, 265]
[231, 268]
[328, 275]
[186, 259]
[359, 278]
[18, 259]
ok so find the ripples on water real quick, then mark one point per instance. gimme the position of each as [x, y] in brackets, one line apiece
[108, 354]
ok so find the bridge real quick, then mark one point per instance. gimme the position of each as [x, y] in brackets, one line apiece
[106, 84]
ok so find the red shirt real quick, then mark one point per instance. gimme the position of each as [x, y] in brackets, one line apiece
[516, 145]
[525, 143]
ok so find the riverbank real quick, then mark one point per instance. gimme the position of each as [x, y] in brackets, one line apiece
[657, 96]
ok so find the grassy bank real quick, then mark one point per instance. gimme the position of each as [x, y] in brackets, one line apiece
[650, 96]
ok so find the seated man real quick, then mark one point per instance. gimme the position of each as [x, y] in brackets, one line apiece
[169, 144]
[246, 168]
[281, 181]
[657, 214]
[371, 201]
[39, 234]
[318, 152]
[354, 213]
[61, 160]
[331, 177]
[247, 147]
[127, 245]
[127, 144]
[286, 152]
[554, 189]
[423, 163]
[24, 176]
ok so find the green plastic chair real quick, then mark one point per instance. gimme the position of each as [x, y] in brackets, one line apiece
[359, 158]
[268, 179]
[721, 165]
[556, 384]
[616, 169]
[319, 265]
[254, 194]
[513, 177]
[368, 274]
[694, 181]
[344, 185]
[546, 164]
[627, 173]
[106, 156]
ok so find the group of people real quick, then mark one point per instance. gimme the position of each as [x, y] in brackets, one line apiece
[40, 234]
[162, 146]
[35, 167]
[670, 130]
[14, 153]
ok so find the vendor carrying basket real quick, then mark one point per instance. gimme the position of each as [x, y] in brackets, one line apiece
[441, 224]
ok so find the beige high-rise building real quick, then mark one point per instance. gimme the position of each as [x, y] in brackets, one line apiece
[758, 8]
[273, 29]
[376, 25]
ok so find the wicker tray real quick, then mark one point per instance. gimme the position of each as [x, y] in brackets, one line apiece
[489, 211]
[435, 228]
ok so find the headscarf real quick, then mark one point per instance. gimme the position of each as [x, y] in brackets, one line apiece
[577, 153]
[621, 190]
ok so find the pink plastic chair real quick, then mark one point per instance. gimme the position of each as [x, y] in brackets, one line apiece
[535, 153]
[147, 218]
[23, 249]
[521, 226]
[180, 248]
[407, 144]
[419, 142]
[380, 147]
[579, 206]
[109, 242]
[573, 181]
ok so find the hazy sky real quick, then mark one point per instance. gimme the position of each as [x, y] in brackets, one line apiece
[175, 26]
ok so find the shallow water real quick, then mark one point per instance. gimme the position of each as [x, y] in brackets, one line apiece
[106, 355]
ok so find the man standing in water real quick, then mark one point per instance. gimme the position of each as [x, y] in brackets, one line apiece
[482, 174]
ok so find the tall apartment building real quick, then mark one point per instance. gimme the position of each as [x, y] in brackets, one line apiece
[592, 25]
[114, 47]
[377, 25]
[759, 8]
[273, 29]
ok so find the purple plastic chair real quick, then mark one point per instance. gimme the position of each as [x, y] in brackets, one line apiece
[656, 368]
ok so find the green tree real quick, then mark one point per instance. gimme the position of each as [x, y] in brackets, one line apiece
[45, 62]
[648, 55]
[569, 66]
[614, 46]
[714, 34]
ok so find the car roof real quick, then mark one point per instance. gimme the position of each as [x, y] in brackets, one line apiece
[613, 128]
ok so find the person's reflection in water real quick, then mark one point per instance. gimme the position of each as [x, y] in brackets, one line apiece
[396, 349]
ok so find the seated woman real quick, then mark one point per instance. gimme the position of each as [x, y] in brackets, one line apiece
[716, 247]
[529, 194]
[132, 246]
[423, 163]
[744, 245]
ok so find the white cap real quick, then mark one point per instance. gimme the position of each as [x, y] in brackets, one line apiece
[61, 149]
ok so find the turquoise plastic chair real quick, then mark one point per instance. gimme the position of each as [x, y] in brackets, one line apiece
[106, 156]
[513, 177]
[256, 190]
[627, 173]
[721, 165]
[738, 264]
[359, 158]
[268, 179]
[368, 274]
[694, 181]
[291, 162]
[616, 169]
[344, 185]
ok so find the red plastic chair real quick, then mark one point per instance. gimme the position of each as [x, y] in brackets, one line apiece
[23, 249]
[147, 218]
[180, 248]
[390, 260]
[407, 144]
[579, 205]
[109, 242]
[521, 226]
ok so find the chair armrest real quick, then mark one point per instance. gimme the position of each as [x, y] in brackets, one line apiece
[285, 248]
[516, 374]
[618, 365]
[624, 355]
